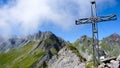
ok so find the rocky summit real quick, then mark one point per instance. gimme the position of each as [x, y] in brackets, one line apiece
[46, 50]
[112, 40]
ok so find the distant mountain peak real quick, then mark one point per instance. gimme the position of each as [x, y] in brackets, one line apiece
[40, 35]
[48, 34]
[113, 39]
[115, 35]
[45, 33]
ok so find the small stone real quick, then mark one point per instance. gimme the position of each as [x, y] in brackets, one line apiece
[112, 61]
[115, 64]
[101, 65]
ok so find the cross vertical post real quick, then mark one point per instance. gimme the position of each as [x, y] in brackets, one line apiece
[94, 19]
[95, 33]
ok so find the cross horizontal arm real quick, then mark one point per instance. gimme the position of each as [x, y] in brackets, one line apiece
[83, 21]
[106, 18]
[96, 19]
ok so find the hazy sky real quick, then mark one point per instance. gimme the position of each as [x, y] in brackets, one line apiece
[22, 17]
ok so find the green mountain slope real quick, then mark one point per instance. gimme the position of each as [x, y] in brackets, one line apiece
[36, 53]
[109, 46]
[22, 57]
[44, 48]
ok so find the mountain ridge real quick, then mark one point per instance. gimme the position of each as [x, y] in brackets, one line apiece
[41, 47]
[45, 49]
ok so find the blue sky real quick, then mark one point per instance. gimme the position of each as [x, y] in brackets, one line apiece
[23, 17]
[105, 28]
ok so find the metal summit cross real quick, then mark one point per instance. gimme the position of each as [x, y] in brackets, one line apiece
[94, 19]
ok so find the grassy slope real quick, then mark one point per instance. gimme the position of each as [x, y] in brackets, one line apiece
[111, 50]
[22, 57]
[85, 47]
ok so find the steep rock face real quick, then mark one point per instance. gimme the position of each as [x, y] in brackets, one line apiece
[50, 44]
[66, 59]
[49, 40]
[112, 40]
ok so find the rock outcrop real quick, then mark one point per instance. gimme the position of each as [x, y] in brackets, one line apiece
[111, 63]
[112, 40]
[66, 59]
[49, 43]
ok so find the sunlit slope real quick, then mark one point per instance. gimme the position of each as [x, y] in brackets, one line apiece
[23, 57]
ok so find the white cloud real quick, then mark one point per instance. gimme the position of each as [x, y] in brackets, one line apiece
[28, 15]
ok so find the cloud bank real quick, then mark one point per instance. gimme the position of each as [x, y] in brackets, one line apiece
[27, 16]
